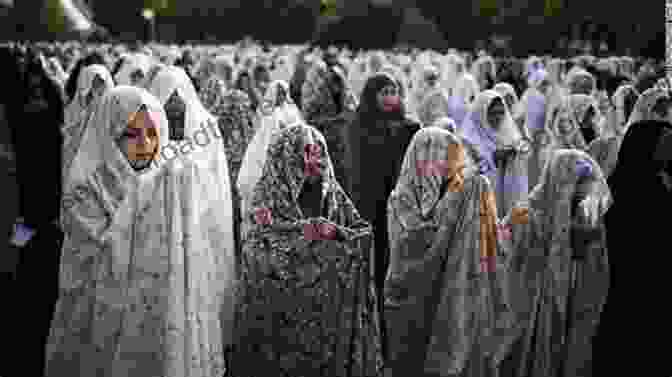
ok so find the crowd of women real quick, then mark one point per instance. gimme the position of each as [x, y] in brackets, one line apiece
[360, 214]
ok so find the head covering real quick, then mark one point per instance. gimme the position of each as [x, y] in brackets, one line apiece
[174, 79]
[483, 141]
[134, 63]
[137, 220]
[319, 99]
[369, 107]
[643, 110]
[201, 160]
[426, 169]
[284, 68]
[581, 104]
[284, 175]
[275, 118]
[452, 268]
[235, 118]
[434, 106]
[550, 204]
[466, 88]
[637, 169]
[537, 77]
[505, 89]
[567, 122]
[618, 117]
[84, 86]
[480, 71]
[400, 78]
[277, 235]
[453, 67]
[109, 121]
[477, 132]
[580, 81]
[79, 110]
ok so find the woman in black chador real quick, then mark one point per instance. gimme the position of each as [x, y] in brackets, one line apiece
[37, 142]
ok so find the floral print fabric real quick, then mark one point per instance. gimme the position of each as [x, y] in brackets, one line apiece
[233, 109]
[307, 306]
[328, 104]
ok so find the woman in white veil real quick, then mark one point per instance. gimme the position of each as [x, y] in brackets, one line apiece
[137, 294]
[201, 159]
[92, 83]
[134, 70]
[277, 113]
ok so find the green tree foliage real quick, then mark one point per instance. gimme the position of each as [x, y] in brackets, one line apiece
[162, 7]
[489, 8]
[552, 7]
[327, 8]
[55, 16]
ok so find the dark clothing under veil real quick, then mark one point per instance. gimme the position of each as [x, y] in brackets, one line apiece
[306, 304]
[38, 141]
[631, 322]
[376, 142]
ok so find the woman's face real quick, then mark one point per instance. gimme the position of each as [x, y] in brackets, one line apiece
[388, 97]
[140, 140]
[564, 123]
[496, 113]
[137, 76]
[175, 109]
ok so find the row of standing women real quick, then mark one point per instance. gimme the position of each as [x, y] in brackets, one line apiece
[358, 243]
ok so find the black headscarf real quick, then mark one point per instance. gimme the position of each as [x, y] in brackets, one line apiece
[39, 158]
[638, 243]
[637, 170]
[368, 109]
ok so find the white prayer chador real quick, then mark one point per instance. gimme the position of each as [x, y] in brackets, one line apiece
[79, 110]
[276, 117]
[138, 295]
[203, 166]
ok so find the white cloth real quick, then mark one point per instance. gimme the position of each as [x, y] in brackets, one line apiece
[466, 88]
[77, 115]
[203, 167]
[133, 63]
[139, 292]
[277, 117]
